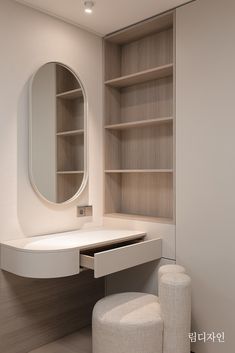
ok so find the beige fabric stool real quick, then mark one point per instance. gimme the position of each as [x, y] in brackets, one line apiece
[127, 323]
[170, 269]
[175, 299]
[142, 323]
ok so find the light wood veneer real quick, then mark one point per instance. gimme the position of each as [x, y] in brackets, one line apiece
[140, 77]
[78, 342]
[70, 134]
[141, 123]
[139, 120]
[142, 29]
[35, 312]
[74, 93]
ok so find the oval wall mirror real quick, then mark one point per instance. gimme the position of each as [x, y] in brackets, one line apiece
[58, 146]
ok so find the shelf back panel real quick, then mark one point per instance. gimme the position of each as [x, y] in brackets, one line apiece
[147, 53]
[70, 153]
[68, 185]
[149, 147]
[70, 114]
[142, 29]
[144, 101]
[65, 80]
[144, 194]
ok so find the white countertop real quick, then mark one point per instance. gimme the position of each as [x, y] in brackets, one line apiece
[80, 239]
[61, 254]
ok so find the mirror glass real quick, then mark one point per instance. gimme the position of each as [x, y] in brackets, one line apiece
[57, 134]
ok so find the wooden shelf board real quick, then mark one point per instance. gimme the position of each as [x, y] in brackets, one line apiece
[70, 172]
[75, 93]
[140, 218]
[142, 76]
[70, 133]
[139, 171]
[140, 123]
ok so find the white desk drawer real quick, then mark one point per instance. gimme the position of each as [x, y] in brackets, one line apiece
[120, 257]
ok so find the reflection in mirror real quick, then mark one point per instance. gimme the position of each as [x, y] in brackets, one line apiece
[57, 129]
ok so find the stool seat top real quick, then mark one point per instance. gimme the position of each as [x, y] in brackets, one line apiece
[131, 308]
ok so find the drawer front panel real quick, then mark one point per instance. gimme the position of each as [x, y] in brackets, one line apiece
[121, 258]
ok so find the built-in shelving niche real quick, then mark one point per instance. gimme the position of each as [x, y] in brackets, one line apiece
[139, 120]
[69, 134]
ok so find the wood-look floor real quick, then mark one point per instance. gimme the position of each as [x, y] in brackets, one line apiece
[78, 342]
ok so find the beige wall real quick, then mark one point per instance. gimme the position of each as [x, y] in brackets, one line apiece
[34, 312]
[205, 208]
[28, 40]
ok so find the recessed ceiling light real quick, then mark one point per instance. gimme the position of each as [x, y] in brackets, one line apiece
[88, 6]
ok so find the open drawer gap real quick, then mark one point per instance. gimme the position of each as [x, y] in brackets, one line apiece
[91, 252]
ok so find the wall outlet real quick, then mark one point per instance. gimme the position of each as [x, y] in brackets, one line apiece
[84, 211]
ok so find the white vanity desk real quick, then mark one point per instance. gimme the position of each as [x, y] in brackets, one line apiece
[64, 254]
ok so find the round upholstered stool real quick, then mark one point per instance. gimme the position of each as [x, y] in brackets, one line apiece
[175, 299]
[170, 269]
[127, 323]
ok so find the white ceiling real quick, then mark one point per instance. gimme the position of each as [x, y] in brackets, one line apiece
[108, 15]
